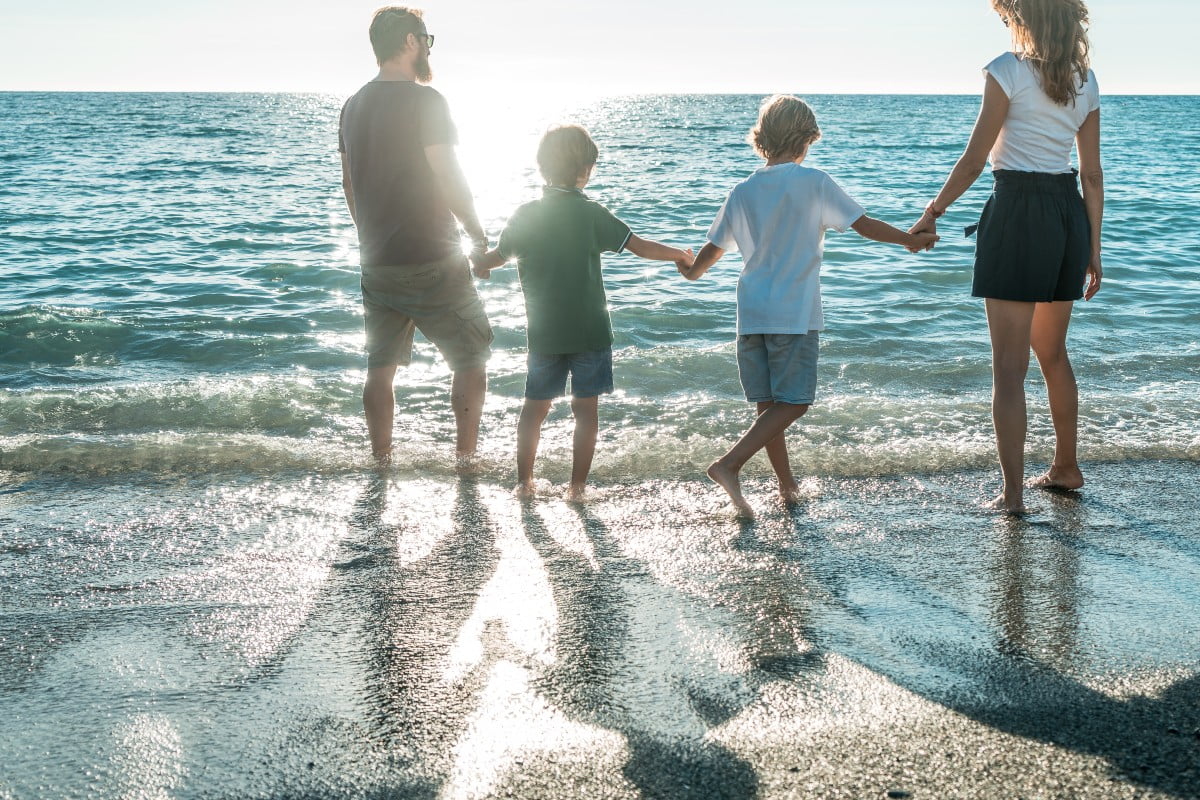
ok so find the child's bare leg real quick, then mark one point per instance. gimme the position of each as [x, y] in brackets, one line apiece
[1009, 324]
[587, 426]
[777, 454]
[1049, 340]
[772, 422]
[529, 432]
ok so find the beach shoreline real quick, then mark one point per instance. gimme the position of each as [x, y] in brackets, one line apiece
[361, 635]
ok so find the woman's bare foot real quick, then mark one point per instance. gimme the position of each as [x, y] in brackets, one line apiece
[383, 458]
[727, 479]
[576, 494]
[1002, 504]
[525, 491]
[1063, 478]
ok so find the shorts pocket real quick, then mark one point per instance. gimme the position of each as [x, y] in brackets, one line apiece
[473, 323]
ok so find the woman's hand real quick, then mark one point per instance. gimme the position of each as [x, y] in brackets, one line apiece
[1094, 274]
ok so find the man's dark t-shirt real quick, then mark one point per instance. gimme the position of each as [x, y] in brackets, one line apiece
[403, 219]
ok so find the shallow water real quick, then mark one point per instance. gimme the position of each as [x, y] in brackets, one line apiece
[181, 292]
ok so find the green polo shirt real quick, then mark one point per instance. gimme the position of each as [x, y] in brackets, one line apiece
[557, 242]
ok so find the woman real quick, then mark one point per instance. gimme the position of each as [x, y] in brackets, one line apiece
[1038, 238]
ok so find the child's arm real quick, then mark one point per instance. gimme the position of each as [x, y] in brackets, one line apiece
[656, 251]
[483, 264]
[708, 255]
[879, 231]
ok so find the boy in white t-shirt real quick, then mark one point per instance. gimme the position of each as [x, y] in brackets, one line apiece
[777, 218]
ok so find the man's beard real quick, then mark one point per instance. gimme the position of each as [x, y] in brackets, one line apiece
[422, 69]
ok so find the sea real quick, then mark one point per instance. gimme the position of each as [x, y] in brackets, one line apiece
[188, 512]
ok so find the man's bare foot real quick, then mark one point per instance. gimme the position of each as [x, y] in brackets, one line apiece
[1002, 504]
[467, 463]
[576, 494]
[727, 479]
[1062, 478]
[525, 491]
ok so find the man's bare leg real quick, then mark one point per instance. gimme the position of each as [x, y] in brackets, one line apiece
[587, 427]
[771, 423]
[1009, 324]
[467, 392]
[529, 433]
[777, 454]
[1049, 340]
[379, 405]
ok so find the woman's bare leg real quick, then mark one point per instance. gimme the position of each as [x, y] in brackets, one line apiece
[1009, 324]
[1049, 340]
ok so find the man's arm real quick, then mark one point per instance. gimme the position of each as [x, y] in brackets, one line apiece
[347, 187]
[444, 163]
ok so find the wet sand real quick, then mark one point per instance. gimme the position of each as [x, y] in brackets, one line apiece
[353, 636]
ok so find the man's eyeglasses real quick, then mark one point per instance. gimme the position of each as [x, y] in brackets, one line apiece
[425, 37]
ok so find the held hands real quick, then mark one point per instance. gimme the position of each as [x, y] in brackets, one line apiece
[685, 261]
[479, 248]
[924, 241]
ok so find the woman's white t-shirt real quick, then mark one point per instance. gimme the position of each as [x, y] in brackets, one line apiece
[1038, 133]
[777, 218]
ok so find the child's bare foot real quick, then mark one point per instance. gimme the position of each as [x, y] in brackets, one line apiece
[790, 492]
[1064, 478]
[576, 493]
[1002, 504]
[727, 479]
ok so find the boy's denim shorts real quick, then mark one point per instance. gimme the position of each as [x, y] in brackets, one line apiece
[591, 374]
[779, 367]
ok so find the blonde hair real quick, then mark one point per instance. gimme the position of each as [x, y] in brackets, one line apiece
[1052, 35]
[565, 153]
[786, 127]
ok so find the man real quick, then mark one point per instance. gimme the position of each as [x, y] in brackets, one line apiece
[405, 189]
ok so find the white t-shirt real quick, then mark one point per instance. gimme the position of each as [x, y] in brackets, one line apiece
[777, 218]
[1038, 133]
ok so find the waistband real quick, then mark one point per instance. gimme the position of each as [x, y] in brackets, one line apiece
[1037, 181]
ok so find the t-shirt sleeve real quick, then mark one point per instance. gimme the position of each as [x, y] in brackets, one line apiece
[436, 127]
[1092, 91]
[341, 131]
[1004, 70]
[838, 209]
[510, 238]
[611, 233]
[721, 232]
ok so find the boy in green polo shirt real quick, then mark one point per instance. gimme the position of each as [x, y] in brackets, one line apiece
[557, 242]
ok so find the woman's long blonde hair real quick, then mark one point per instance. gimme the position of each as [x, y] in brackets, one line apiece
[1053, 36]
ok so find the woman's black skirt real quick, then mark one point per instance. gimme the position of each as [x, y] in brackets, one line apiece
[1034, 239]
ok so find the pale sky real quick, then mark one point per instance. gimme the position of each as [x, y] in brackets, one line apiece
[519, 48]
